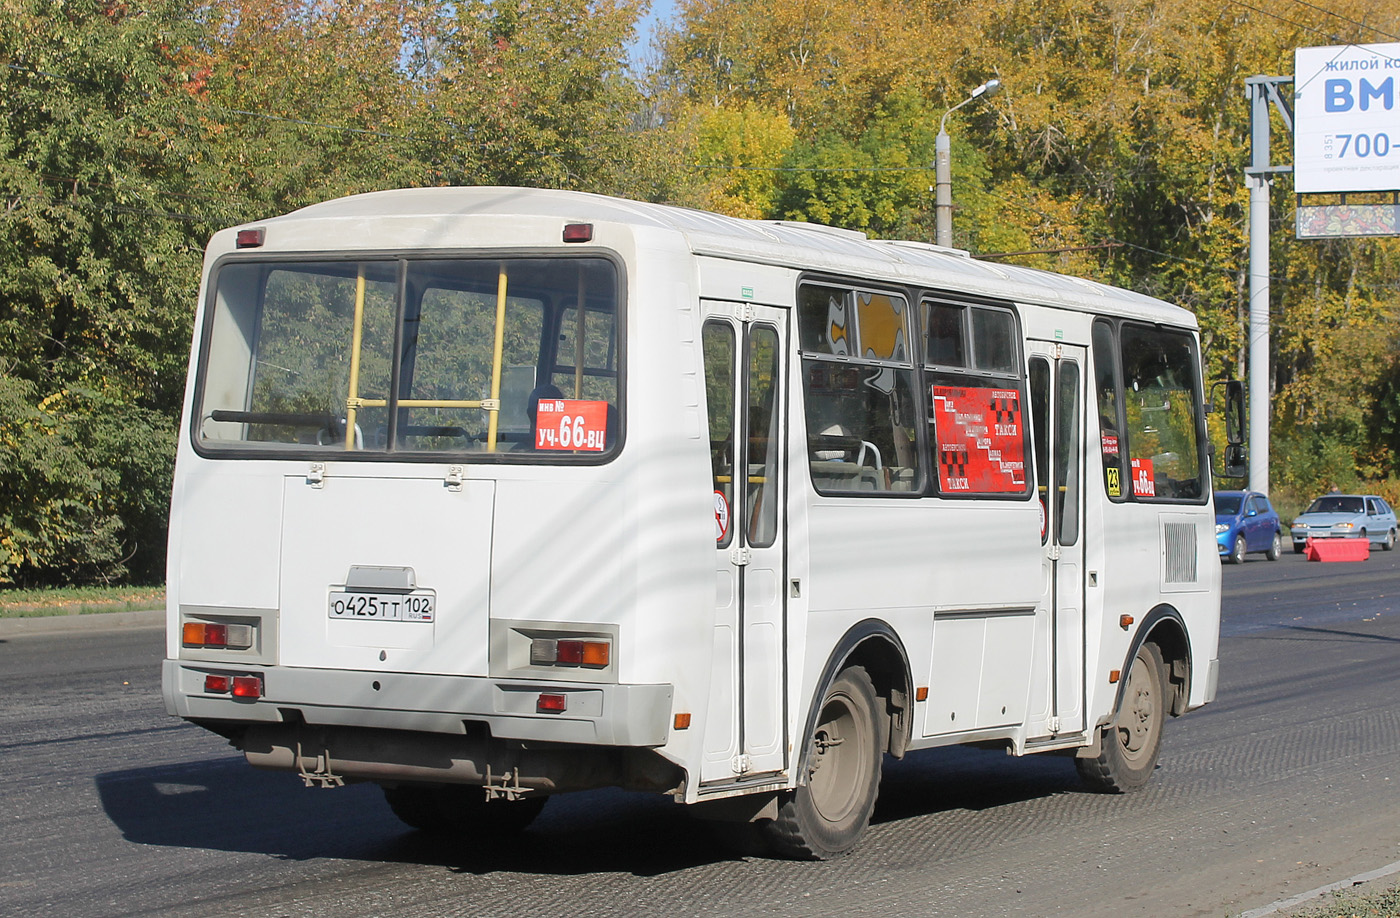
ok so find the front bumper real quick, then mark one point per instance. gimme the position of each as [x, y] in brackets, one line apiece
[595, 714]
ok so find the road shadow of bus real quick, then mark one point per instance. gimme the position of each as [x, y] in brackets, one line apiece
[933, 781]
[226, 805]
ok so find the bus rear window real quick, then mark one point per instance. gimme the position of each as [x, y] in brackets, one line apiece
[500, 358]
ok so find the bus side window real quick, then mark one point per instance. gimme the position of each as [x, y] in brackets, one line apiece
[1110, 418]
[1162, 412]
[858, 388]
[717, 340]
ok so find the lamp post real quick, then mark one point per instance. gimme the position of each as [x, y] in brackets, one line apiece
[942, 168]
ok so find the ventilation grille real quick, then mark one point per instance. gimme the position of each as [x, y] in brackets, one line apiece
[1181, 552]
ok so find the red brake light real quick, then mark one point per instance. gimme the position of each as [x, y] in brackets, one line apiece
[578, 232]
[251, 238]
[247, 687]
[216, 684]
[552, 702]
[570, 652]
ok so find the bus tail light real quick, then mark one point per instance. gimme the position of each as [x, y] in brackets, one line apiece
[552, 702]
[217, 635]
[247, 687]
[551, 652]
[217, 684]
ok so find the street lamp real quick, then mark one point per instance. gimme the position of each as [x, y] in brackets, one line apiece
[942, 168]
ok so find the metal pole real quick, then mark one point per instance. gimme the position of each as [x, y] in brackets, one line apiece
[943, 170]
[943, 190]
[1259, 377]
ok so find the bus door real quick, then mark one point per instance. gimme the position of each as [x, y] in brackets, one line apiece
[1057, 405]
[744, 378]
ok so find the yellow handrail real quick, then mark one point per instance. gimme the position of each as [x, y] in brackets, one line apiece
[354, 398]
[578, 335]
[495, 402]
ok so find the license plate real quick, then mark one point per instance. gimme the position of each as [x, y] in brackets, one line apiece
[384, 607]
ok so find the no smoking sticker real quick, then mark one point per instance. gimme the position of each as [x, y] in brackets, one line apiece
[721, 516]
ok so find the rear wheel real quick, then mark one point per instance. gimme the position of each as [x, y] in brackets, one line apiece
[1131, 744]
[445, 808]
[1275, 548]
[1389, 542]
[1237, 552]
[825, 816]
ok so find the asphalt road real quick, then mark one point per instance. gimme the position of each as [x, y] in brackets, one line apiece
[1288, 782]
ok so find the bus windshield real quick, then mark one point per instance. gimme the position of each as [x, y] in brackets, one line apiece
[496, 357]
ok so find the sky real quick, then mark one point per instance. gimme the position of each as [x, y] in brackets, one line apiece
[661, 11]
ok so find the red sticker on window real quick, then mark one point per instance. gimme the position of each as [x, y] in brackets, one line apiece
[721, 516]
[1143, 483]
[980, 440]
[565, 423]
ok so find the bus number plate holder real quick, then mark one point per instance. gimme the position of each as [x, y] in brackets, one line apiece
[385, 607]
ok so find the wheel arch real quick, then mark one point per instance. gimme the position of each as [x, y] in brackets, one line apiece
[1164, 627]
[873, 645]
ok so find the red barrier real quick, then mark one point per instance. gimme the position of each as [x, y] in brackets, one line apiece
[1338, 549]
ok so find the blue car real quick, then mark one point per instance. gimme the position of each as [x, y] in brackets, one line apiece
[1245, 522]
[1346, 516]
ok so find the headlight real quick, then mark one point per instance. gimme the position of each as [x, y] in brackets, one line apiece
[1221, 527]
[1300, 524]
[1343, 525]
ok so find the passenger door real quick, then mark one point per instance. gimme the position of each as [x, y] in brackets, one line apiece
[1057, 406]
[745, 389]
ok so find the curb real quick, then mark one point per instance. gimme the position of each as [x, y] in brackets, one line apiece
[96, 621]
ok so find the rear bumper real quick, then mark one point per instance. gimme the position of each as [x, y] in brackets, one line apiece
[595, 714]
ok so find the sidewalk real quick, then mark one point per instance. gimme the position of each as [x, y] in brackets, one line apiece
[96, 621]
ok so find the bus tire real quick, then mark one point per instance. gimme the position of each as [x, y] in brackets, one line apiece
[826, 815]
[448, 808]
[1130, 745]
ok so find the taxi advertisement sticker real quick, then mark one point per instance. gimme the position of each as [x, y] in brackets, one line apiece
[981, 445]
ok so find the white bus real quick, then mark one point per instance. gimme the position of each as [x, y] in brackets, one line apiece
[488, 494]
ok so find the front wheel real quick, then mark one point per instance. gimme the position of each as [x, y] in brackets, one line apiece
[1275, 548]
[825, 816]
[441, 809]
[1237, 552]
[1131, 744]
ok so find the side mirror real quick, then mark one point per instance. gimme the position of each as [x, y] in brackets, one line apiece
[1236, 462]
[1234, 412]
[1236, 456]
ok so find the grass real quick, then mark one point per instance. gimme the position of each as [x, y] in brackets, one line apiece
[85, 600]
[1347, 904]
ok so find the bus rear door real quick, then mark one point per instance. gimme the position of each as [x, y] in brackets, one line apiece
[744, 370]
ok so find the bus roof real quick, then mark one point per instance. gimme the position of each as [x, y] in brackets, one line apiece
[806, 246]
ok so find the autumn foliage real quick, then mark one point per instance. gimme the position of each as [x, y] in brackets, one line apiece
[1116, 150]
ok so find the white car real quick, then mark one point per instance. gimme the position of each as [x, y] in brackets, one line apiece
[1346, 516]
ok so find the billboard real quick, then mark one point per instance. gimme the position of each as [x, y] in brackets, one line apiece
[1346, 122]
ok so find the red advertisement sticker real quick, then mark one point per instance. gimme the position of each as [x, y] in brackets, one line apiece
[980, 440]
[1110, 444]
[1143, 484]
[573, 424]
